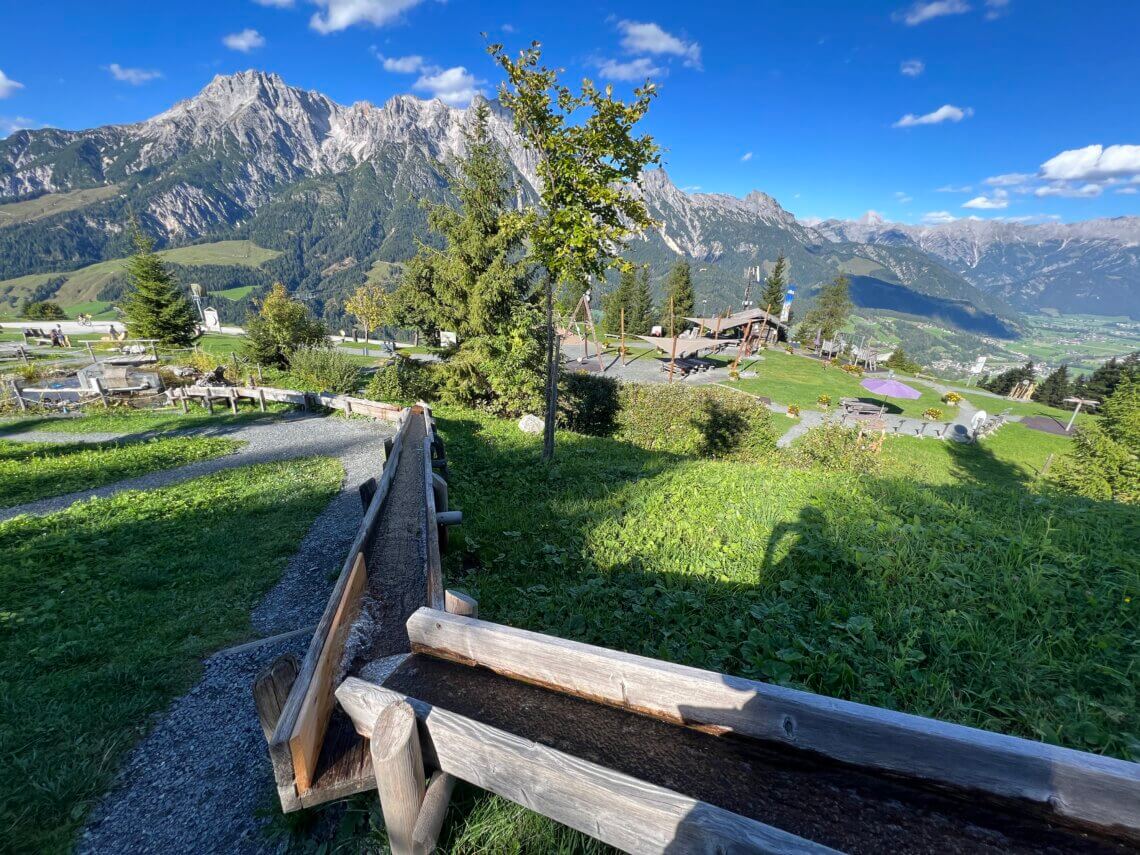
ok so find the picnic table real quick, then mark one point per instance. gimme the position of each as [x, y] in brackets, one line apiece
[855, 407]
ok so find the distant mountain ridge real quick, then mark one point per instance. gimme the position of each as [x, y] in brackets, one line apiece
[336, 189]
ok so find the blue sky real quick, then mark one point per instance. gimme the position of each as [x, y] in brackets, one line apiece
[807, 101]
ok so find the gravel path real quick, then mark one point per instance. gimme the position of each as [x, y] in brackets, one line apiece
[200, 779]
[265, 441]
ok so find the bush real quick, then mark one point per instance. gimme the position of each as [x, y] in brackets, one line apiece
[699, 421]
[952, 398]
[323, 369]
[588, 403]
[932, 414]
[824, 400]
[853, 370]
[834, 448]
[44, 310]
[403, 381]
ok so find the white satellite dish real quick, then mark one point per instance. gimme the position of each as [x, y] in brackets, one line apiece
[978, 420]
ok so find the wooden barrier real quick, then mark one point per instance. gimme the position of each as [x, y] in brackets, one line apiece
[261, 394]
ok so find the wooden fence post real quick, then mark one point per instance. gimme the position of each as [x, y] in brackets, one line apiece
[271, 688]
[399, 768]
[261, 399]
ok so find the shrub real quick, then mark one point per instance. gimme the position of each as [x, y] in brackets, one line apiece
[853, 370]
[588, 403]
[932, 414]
[790, 350]
[280, 325]
[952, 398]
[824, 400]
[793, 410]
[323, 369]
[44, 310]
[403, 381]
[834, 448]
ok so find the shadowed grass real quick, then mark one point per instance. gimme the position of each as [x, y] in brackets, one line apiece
[38, 470]
[107, 610]
[125, 420]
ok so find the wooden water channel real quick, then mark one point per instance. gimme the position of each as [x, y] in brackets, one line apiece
[645, 755]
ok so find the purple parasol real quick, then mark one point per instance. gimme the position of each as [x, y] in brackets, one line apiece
[890, 388]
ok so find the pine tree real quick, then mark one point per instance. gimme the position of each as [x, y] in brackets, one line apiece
[1055, 388]
[678, 294]
[155, 306]
[1006, 381]
[639, 312]
[830, 313]
[618, 300]
[775, 287]
[1105, 460]
[899, 361]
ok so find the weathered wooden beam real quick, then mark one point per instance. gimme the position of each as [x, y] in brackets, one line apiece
[433, 569]
[433, 810]
[271, 688]
[1088, 788]
[399, 768]
[615, 808]
[459, 603]
[367, 491]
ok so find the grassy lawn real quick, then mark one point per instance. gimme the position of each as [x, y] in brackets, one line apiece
[232, 293]
[108, 609]
[130, 421]
[946, 586]
[36, 470]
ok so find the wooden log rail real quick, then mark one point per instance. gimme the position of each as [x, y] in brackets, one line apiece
[1032, 782]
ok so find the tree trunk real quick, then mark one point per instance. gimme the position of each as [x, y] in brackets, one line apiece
[551, 376]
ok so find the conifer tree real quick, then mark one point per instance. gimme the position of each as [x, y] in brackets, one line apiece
[1105, 460]
[775, 287]
[831, 311]
[639, 313]
[155, 305]
[678, 294]
[1055, 388]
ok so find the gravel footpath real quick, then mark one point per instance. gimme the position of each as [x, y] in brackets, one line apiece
[299, 436]
[199, 780]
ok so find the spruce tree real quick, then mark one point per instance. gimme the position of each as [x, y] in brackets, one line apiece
[775, 287]
[155, 305]
[678, 294]
[1105, 460]
[1054, 388]
[830, 313]
[639, 312]
[617, 301]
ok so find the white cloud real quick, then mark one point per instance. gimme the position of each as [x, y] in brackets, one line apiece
[1093, 163]
[279, 4]
[950, 188]
[8, 85]
[647, 37]
[912, 67]
[921, 12]
[945, 113]
[133, 76]
[507, 28]
[997, 202]
[453, 86]
[402, 64]
[1127, 191]
[636, 69]
[902, 198]
[747, 156]
[245, 41]
[996, 8]
[1009, 179]
[342, 14]
[938, 218]
[1065, 190]
[11, 124]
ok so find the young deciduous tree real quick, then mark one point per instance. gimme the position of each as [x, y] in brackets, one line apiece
[775, 286]
[369, 305]
[281, 325]
[155, 304]
[679, 290]
[587, 155]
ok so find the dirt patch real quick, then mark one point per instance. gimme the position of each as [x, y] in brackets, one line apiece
[1045, 424]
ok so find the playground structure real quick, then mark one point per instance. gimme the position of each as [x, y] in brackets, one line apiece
[402, 681]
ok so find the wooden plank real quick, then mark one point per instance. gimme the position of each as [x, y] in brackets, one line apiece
[280, 751]
[271, 688]
[459, 603]
[433, 568]
[617, 809]
[313, 719]
[1100, 791]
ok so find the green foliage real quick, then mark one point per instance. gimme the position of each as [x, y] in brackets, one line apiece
[109, 609]
[128, 420]
[588, 403]
[322, 368]
[830, 313]
[1105, 460]
[678, 290]
[44, 310]
[899, 361]
[155, 305]
[775, 287]
[30, 471]
[1055, 388]
[280, 326]
[834, 448]
[1006, 381]
[403, 381]
[1104, 380]
[632, 294]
